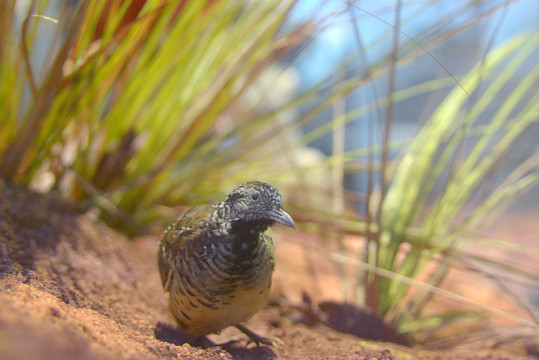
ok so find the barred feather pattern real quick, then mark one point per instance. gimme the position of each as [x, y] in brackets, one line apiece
[218, 271]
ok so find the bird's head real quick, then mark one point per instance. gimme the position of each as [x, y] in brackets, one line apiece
[257, 204]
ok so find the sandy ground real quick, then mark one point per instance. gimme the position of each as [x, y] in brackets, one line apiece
[72, 288]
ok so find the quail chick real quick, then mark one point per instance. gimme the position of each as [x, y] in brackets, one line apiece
[217, 260]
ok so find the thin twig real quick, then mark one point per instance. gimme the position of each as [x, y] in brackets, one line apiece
[419, 45]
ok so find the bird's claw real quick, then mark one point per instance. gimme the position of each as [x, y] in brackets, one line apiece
[257, 339]
[269, 341]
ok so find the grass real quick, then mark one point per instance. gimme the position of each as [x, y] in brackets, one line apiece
[433, 152]
[137, 114]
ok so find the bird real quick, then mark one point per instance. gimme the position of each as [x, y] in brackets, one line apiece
[216, 260]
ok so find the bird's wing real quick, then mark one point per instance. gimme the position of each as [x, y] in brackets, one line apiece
[185, 235]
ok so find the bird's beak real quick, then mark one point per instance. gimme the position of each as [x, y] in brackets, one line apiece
[282, 217]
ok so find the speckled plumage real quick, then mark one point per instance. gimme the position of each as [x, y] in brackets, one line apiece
[217, 260]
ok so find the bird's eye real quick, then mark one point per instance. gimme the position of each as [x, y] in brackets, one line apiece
[255, 196]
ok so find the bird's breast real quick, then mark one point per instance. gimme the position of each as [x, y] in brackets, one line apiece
[223, 284]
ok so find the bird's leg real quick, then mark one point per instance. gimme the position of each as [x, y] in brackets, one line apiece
[257, 339]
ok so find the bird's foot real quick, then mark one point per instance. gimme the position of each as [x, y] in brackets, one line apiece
[257, 339]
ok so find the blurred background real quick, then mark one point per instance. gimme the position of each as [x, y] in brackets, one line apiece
[398, 131]
[360, 34]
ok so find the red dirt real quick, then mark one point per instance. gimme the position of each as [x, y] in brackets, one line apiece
[70, 287]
